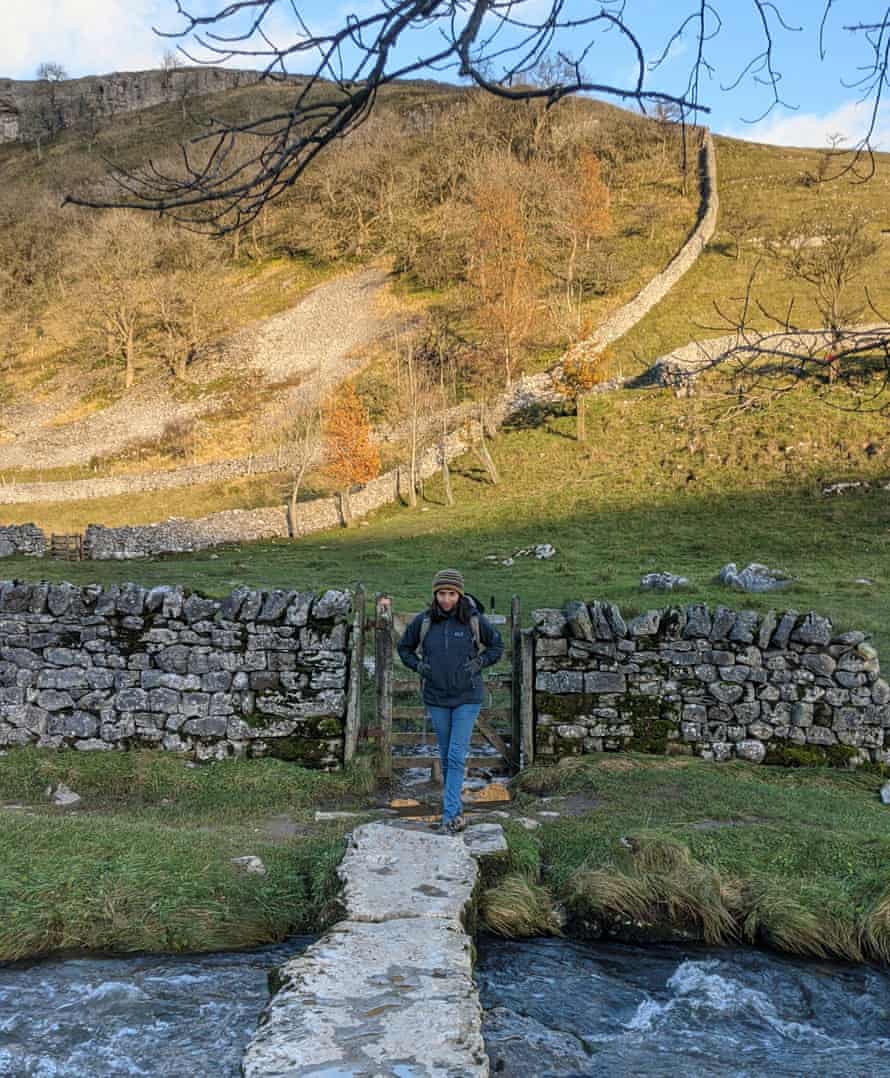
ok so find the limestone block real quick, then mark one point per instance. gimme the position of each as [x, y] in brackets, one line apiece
[601, 681]
[549, 622]
[333, 603]
[560, 681]
[74, 724]
[646, 624]
[753, 751]
[744, 627]
[814, 629]
[341, 1011]
[275, 604]
[725, 692]
[579, 621]
[698, 622]
[600, 621]
[784, 629]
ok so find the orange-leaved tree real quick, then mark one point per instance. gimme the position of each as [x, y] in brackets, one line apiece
[351, 455]
[578, 375]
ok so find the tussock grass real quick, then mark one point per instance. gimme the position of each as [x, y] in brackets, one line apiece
[517, 908]
[792, 860]
[659, 881]
[875, 929]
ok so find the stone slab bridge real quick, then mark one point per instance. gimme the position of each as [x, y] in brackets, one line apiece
[388, 992]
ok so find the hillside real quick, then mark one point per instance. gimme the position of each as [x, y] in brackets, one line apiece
[105, 311]
[664, 482]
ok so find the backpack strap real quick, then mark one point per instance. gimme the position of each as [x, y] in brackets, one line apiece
[475, 629]
[425, 627]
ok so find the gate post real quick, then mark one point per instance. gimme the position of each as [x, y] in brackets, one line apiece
[527, 698]
[356, 672]
[516, 683]
[383, 660]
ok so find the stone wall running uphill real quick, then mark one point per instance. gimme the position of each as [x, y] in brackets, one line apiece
[719, 683]
[262, 673]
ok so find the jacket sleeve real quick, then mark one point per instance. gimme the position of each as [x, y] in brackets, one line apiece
[407, 645]
[491, 639]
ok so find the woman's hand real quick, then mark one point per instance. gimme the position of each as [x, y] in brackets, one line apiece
[473, 666]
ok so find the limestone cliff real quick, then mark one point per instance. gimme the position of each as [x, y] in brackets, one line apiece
[31, 110]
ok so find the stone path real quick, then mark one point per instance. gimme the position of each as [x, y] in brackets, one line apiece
[388, 992]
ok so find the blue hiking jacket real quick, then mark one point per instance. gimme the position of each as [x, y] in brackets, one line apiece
[448, 649]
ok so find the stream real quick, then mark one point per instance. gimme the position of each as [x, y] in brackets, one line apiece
[553, 1009]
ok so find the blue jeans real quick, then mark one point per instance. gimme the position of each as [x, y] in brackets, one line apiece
[454, 728]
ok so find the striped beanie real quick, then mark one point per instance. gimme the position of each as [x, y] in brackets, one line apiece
[448, 578]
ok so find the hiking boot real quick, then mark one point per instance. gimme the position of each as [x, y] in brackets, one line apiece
[452, 827]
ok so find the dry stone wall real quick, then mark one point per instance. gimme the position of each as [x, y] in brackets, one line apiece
[719, 683]
[25, 539]
[262, 673]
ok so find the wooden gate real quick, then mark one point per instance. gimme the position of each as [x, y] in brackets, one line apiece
[67, 547]
[401, 720]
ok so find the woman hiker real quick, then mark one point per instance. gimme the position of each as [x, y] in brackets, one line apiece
[448, 645]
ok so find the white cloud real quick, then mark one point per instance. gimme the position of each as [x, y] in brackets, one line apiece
[85, 36]
[812, 129]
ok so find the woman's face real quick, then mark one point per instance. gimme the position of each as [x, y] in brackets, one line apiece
[447, 599]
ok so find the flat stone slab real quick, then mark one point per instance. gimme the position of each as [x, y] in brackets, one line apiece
[375, 1000]
[388, 992]
[391, 872]
[482, 839]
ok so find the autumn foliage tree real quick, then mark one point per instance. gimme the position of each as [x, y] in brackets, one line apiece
[576, 378]
[503, 270]
[351, 456]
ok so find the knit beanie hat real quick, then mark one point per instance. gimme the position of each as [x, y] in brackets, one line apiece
[448, 578]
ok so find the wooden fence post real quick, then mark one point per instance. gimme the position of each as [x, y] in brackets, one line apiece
[516, 683]
[383, 659]
[527, 719]
[356, 673]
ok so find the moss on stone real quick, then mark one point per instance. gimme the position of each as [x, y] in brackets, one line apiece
[307, 751]
[810, 755]
[565, 707]
[651, 729]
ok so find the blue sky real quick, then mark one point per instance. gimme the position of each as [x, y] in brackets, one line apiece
[97, 36]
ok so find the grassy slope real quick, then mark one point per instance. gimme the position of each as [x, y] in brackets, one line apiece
[759, 180]
[623, 506]
[794, 859]
[144, 861]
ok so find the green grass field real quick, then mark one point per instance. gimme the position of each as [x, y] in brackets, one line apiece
[660, 485]
[144, 861]
[792, 859]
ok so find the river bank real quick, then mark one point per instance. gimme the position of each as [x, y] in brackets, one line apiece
[612, 846]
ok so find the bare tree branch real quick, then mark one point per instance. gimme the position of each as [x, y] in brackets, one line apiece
[337, 74]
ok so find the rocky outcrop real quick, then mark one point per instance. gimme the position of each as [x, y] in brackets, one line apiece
[719, 683]
[39, 109]
[256, 673]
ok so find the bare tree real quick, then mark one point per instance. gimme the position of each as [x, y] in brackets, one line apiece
[50, 71]
[492, 44]
[305, 451]
[828, 254]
